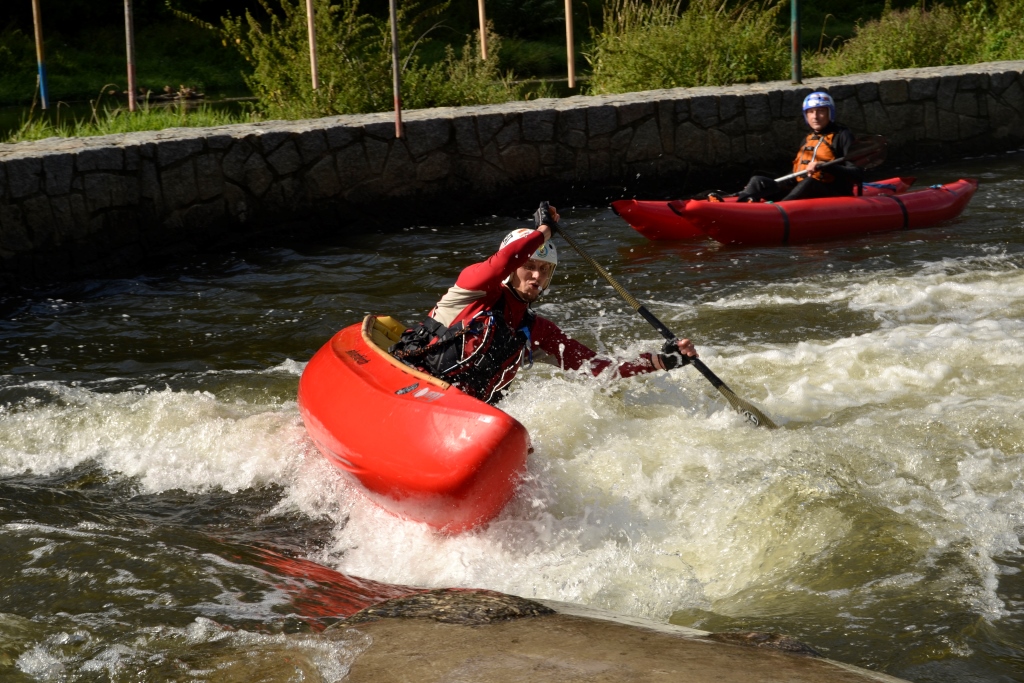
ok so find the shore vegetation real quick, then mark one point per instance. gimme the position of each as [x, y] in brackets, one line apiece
[259, 49]
[114, 117]
[976, 31]
[354, 60]
[645, 45]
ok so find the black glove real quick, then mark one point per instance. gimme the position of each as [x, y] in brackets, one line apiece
[543, 216]
[670, 356]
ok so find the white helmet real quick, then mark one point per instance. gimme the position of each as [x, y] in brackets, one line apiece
[546, 253]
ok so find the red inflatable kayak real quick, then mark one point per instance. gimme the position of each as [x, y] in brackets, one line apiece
[830, 218]
[418, 447]
[656, 221]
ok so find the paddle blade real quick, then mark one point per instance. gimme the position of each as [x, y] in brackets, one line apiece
[748, 410]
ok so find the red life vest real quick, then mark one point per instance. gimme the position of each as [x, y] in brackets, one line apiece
[816, 147]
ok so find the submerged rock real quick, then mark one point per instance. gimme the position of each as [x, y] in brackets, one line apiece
[454, 606]
[467, 636]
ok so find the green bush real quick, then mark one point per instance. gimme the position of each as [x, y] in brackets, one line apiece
[354, 61]
[901, 39]
[652, 45]
[978, 31]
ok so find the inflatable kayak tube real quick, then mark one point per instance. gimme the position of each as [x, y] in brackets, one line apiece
[656, 221]
[813, 220]
[418, 447]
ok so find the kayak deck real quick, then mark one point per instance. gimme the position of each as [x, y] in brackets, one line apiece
[418, 447]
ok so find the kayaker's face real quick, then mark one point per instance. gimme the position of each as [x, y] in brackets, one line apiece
[818, 118]
[531, 278]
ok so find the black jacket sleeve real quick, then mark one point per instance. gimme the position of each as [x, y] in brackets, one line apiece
[842, 144]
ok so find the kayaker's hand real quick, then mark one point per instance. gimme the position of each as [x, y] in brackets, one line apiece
[811, 167]
[546, 215]
[675, 354]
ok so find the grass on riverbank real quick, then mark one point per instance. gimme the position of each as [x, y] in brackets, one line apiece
[113, 118]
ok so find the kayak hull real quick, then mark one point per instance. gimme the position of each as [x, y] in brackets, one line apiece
[830, 218]
[418, 447]
[656, 221]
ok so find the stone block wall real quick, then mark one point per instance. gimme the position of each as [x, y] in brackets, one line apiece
[76, 207]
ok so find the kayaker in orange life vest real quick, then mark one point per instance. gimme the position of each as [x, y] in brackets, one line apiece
[482, 330]
[826, 142]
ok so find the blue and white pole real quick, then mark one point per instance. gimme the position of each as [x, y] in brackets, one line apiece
[44, 94]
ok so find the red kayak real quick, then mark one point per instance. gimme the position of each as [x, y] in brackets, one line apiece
[656, 221]
[418, 447]
[811, 220]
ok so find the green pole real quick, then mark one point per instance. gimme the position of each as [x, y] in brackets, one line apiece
[795, 31]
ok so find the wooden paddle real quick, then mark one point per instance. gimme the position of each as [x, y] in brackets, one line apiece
[748, 410]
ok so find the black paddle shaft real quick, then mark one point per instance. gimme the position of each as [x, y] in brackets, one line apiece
[752, 414]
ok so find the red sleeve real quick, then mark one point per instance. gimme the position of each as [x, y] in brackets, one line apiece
[572, 355]
[487, 275]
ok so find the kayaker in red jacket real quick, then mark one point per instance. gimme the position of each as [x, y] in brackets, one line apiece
[827, 141]
[482, 330]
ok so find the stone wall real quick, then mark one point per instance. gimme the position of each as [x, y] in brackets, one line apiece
[70, 208]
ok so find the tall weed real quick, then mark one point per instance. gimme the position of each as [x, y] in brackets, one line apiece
[648, 45]
[354, 61]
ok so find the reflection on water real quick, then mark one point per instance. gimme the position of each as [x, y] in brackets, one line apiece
[161, 508]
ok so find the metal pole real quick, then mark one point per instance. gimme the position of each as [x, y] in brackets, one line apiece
[37, 20]
[397, 85]
[570, 46]
[312, 43]
[483, 30]
[129, 39]
[795, 31]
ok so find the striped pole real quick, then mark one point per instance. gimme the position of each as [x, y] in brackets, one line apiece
[40, 60]
[129, 39]
[395, 69]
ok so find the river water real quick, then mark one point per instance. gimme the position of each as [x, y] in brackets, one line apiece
[164, 517]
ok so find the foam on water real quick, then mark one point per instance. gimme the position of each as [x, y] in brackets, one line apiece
[649, 495]
[167, 439]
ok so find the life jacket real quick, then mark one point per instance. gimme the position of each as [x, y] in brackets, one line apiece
[480, 355]
[816, 147]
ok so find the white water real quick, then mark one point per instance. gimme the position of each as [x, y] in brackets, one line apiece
[649, 496]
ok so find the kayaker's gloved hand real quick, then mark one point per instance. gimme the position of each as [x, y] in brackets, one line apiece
[543, 216]
[671, 357]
